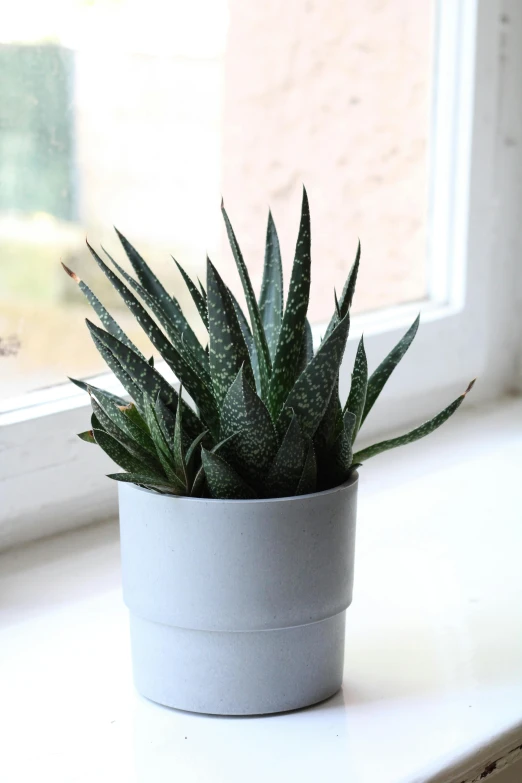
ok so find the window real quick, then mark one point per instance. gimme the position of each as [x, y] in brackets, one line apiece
[102, 124]
[393, 114]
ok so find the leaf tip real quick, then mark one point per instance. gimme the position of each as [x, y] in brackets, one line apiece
[470, 386]
[71, 274]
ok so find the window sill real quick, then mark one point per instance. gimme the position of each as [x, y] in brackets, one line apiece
[433, 677]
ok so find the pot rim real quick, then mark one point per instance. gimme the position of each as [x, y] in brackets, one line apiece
[353, 480]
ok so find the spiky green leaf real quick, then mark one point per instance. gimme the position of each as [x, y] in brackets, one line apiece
[180, 468]
[311, 392]
[349, 422]
[90, 389]
[415, 434]
[146, 456]
[271, 297]
[228, 350]
[197, 297]
[173, 321]
[307, 348]
[286, 470]
[132, 413]
[379, 378]
[192, 455]
[330, 425]
[122, 422]
[289, 346]
[225, 448]
[166, 420]
[336, 464]
[357, 397]
[114, 364]
[262, 352]
[87, 436]
[344, 304]
[256, 443]
[150, 282]
[143, 377]
[195, 378]
[249, 340]
[161, 443]
[103, 314]
[117, 452]
[308, 481]
[222, 480]
[169, 487]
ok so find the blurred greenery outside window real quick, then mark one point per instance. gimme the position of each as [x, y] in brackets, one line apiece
[36, 133]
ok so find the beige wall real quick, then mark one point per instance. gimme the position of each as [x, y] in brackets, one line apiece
[335, 94]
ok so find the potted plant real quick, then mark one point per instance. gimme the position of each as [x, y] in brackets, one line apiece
[238, 508]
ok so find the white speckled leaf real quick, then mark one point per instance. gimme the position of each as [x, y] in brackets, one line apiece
[308, 481]
[415, 434]
[311, 392]
[227, 348]
[143, 378]
[244, 412]
[249, 340]
[307, 349]
[174, 322]
[222, 480]
[180, 468]
[345, 303]
[197, 297]
[103, 314]
[165, 486]
[163, 447]
[330, 425]
[150, 381]
[224, 448]
[193, 457]
[288, 352]
[271, 297]
[262, 352]
[90, 389]
[146, 456]
[150, 282]
[87, 436]
[117, 452]
[117, 368]
[121, 421]
[379, 378]
[166, 419]
[195, 378]
[287, 467]
[357, 397]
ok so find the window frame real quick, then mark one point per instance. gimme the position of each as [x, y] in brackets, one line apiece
[51, 481]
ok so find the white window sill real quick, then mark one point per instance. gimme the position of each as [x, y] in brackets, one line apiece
[433, 677]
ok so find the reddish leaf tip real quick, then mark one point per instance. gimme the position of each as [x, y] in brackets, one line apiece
[71, 274]
[470, 386]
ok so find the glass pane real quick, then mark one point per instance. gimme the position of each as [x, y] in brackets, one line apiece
[142, 114]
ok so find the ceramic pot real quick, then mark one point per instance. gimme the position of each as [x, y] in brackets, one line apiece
[237, 607]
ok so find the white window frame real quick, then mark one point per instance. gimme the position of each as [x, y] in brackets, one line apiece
[51, 481]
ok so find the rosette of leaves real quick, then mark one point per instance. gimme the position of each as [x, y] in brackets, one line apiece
[264, 418]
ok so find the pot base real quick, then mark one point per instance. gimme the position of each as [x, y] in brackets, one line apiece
[238, 673]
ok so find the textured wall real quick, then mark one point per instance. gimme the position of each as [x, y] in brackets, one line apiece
[335, 94]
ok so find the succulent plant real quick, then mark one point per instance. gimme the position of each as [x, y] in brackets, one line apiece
[265, 418]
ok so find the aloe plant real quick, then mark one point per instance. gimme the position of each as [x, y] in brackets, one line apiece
[265, 418]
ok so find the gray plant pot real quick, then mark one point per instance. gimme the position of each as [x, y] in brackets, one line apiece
[238, 607]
